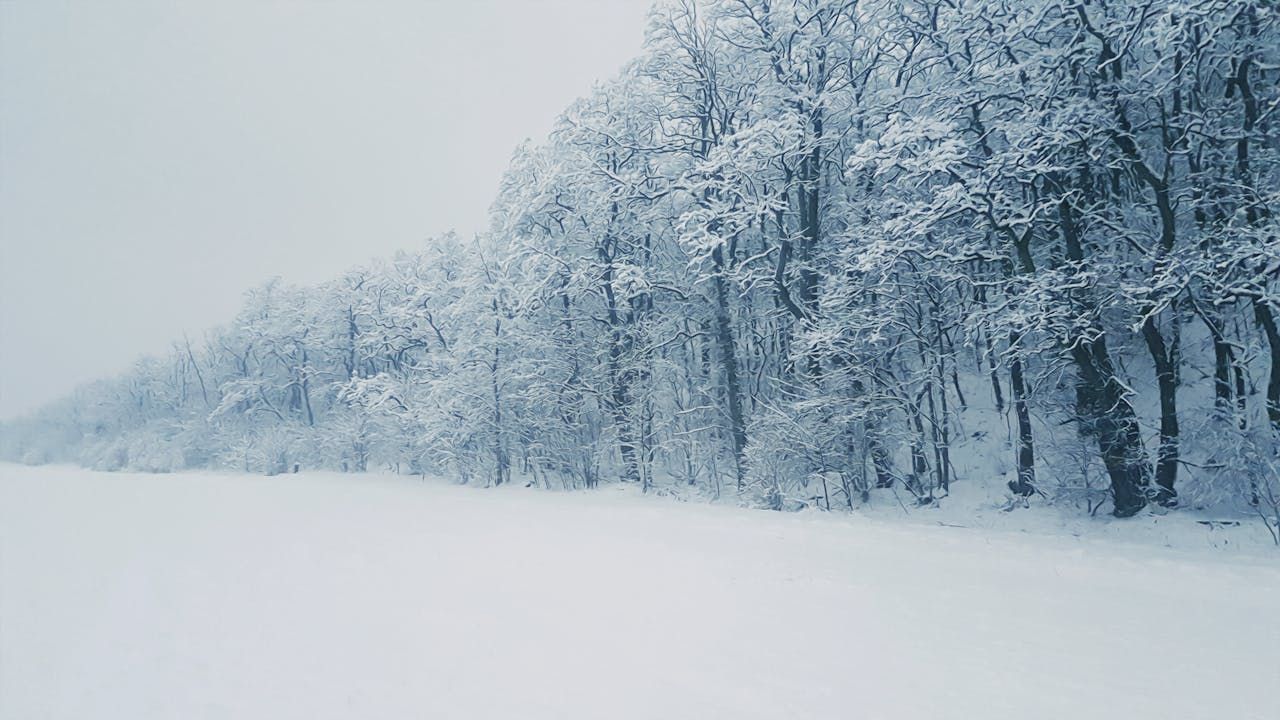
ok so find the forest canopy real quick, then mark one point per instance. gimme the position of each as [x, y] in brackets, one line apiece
[802, 250]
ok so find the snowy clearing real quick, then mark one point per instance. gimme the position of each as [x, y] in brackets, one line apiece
[326, 596]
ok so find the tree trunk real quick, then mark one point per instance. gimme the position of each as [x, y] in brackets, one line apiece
[1102, 404]
[1026, 482]
[502, 465]
[1167, 381]
[1105, 414]
[1267, 319]
[729, 363]
[1163, 356]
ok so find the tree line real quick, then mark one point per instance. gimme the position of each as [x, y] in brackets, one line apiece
[802, 251]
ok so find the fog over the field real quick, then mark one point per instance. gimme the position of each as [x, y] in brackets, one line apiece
[158, 159]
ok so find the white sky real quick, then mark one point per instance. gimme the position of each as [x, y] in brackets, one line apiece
[158, 159]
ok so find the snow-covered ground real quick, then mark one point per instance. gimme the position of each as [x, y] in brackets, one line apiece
[326, 596]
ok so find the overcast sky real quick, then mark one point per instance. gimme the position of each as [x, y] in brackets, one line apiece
[158, 159]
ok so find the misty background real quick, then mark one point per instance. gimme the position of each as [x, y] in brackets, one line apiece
[159, 159]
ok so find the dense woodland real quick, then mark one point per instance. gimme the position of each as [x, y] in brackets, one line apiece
[805, 252]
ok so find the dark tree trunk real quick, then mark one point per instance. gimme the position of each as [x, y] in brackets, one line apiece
[502, 464]
[620, 345]
[1102, 404]
[1267, 319]
[1163, 355]
[1105, 414]
[1255, 211]
[1167, 381]
[873, 424]
[1026, 482]
[1222, 362]
[996, 393]
[729, 362]
[881, 461]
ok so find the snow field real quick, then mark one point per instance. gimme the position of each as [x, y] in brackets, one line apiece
[329, 596]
